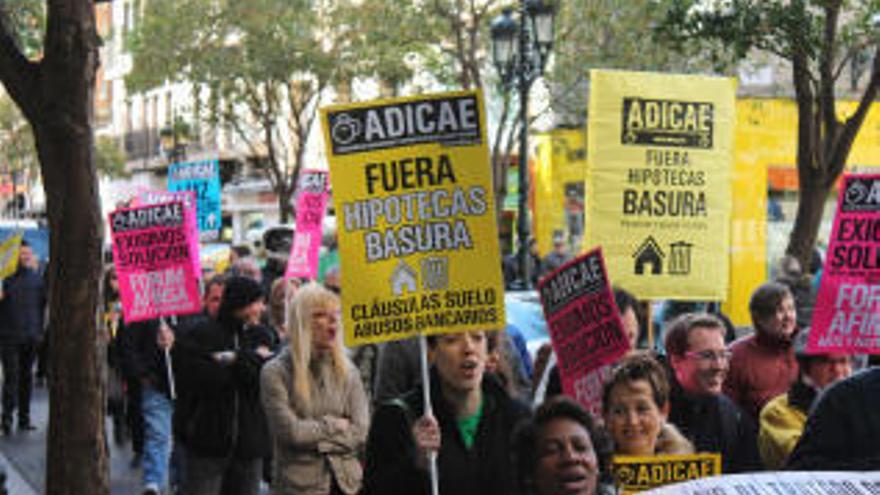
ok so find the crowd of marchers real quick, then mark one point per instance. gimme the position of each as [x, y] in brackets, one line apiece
[259, 389]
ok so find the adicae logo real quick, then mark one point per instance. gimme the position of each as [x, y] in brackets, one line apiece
[855, 193]
[346, 129]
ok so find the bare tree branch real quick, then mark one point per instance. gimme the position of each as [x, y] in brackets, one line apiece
[19, 75]
[850, 54]
[804, 97]
[826, 79]
[852, 125]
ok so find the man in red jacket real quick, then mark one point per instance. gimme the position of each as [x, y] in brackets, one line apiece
[763, 364]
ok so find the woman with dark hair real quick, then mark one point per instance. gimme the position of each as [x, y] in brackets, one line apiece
[125, 414]
[123, 392]
[763, 364]
[469, 430]
[635, 404]
[561, 451]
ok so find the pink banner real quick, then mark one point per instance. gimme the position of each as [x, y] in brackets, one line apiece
[153, 197]
[846, 317]
[585, 326]
[153, 252]
[310, 205]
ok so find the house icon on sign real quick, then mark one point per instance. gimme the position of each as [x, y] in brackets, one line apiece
[649, 253]
[402, 277]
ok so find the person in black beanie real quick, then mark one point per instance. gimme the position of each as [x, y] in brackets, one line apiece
[219, 418]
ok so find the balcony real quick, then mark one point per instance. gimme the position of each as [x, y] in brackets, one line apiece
[142, 144]
[143, 150]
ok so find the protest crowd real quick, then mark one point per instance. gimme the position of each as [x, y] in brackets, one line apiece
[373, 376]
[261, 395]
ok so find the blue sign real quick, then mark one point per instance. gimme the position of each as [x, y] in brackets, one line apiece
[202, 178]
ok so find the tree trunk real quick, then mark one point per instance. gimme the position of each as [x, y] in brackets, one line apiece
[77, 457]
[285, 208]
[824, 142]
[811, 206]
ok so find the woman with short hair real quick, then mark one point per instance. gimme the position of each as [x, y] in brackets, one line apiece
[635, 405]
[561, 451]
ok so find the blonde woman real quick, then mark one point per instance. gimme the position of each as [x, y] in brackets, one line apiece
[315, 402]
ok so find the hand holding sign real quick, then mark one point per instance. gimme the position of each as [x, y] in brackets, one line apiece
[224, 357]
[426, 433]
[165, 337]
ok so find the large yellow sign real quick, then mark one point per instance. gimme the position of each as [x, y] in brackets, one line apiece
[634, 474]
[418, 239]
[658, 182]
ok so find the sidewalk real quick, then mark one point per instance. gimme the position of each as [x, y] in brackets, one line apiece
[15, 483]
[24, 456]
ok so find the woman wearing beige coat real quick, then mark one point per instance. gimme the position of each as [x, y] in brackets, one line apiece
[315, 402]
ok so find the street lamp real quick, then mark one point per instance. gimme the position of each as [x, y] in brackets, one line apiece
[519, 52]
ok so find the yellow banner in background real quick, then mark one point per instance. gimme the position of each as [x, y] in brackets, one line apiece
[658, 182]
[9, 255]
[634, 474]
[418, 239]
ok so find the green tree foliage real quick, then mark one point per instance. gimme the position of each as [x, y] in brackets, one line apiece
[442, 43]
[17, 150]
[109, 158]
[608, 34]
[447, 40]
[25, 20]
[381, 49]
[260, 67]
[19, 153]
[818, 39]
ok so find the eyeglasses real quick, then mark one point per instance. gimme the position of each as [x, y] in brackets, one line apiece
[709, 355]
[334, 289]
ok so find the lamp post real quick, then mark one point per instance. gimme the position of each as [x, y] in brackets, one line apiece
[519, 52]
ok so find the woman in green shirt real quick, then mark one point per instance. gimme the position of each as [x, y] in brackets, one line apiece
[470, 429]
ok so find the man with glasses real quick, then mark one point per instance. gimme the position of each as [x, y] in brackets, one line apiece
[699, 361]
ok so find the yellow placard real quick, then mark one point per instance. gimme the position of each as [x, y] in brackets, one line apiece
[9, 255]
[658, 182]
[634, 474]
[418, 240]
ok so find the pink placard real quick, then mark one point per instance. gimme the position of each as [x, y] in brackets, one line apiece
[846, 317]
[585, 327]
[310, 205]
[153, 197]
[153, 253]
